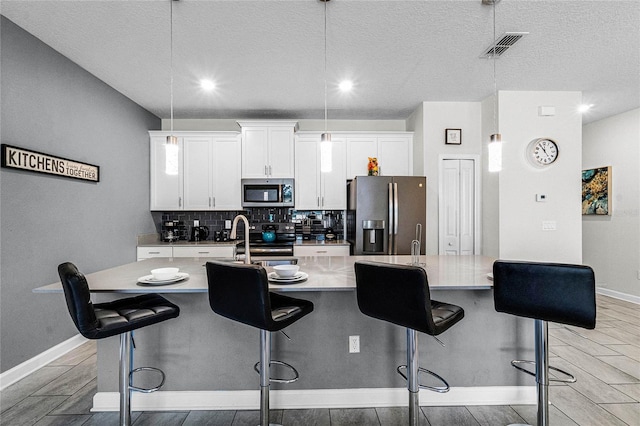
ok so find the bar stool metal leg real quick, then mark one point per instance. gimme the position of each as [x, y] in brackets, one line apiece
[265, 361]
[124, 377]
[542, 370]
[412, 377]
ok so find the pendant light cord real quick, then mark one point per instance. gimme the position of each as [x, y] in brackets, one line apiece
[325, 65]
[495, 84]
[171, 64]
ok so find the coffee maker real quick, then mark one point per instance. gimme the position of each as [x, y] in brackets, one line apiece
[199, 233]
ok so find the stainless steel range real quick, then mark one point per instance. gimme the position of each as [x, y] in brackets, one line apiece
[270, 239]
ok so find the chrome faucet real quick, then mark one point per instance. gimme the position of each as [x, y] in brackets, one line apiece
[247, 256]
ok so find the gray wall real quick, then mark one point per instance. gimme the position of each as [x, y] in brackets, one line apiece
[612, 243]
[203, 351]
[49, 104]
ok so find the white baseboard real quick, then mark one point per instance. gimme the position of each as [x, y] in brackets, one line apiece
[316, 398]
[20, 371]
[618, 295]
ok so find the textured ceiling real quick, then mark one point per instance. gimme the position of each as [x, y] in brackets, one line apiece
[267, 56]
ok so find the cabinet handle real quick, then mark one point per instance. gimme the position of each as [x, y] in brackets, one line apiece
[209, 201]
[179, 201]
[318, 202]
[203, 252]
[214, 201]
[322, 202]
[265, 170]
[154, 252]
[321, 251]
[270, 171]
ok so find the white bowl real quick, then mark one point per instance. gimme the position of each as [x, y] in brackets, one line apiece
[286, 271]
[161, 274]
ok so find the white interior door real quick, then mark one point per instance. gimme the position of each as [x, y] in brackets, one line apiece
[458, 207]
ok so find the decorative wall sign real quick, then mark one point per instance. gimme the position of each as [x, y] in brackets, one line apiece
[453, 136]
[596, 188]
[24, 159]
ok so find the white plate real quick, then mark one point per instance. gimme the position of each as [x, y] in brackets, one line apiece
[149, 280]
[300, 276]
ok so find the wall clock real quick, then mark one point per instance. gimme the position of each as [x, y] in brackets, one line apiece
[542, 152]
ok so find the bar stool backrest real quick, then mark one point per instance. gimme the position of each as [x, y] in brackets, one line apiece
[555, 292]
[395, 293]
[240, 292]
[78, 297]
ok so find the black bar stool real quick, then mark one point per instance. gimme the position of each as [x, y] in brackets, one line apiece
[560, 293]
[400, 294]
[240, 292]
[101, 320]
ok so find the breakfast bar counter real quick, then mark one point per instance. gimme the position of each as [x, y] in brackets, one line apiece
[208, 359]
[325, 274]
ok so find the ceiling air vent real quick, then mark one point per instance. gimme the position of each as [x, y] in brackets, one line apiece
[502, 44]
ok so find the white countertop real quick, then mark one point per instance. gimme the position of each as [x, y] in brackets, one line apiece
[211, 243]
[325, 274]
[185, 243]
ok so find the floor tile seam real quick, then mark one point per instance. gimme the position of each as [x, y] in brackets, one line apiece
[615, 416]
[54, 364]
[623, 356]
[592, 376]
[93, 376]
[600, 403]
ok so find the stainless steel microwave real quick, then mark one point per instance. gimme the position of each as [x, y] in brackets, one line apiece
[267, 193]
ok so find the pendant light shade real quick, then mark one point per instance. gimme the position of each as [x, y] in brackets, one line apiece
[325, 139]
[172, 153]
[494, 149]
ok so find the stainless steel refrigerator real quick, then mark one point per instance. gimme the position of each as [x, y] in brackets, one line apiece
[383, 211]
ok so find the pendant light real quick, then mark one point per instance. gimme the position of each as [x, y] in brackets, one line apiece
[495, 142]
[171, 155]
[325, 138]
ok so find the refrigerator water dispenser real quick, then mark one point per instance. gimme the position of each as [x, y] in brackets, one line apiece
[373, 236]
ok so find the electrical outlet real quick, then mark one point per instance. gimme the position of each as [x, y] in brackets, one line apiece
[354, 344]
[196, 223]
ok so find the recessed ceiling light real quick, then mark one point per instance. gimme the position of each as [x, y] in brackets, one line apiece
[346, 86]
[584, 107]
[207, 85]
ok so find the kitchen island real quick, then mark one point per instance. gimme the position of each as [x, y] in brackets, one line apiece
[209, 359]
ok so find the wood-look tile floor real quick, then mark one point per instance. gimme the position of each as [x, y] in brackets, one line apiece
[606, 362]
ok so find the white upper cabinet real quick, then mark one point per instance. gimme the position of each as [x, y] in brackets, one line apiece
[394, 152]
[197, 173]
[166, 189]
[268, 149]
[209, 172]
[320, 173]
[359, 149]
[227, 192]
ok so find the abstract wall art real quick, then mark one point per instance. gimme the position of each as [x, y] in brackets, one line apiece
[596, 191]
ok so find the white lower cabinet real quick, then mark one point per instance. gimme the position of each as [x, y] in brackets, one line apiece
[149, 252]
[320, 250]
[186, 251]
[225, 251]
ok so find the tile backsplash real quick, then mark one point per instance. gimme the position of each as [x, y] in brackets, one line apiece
[215, 220]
